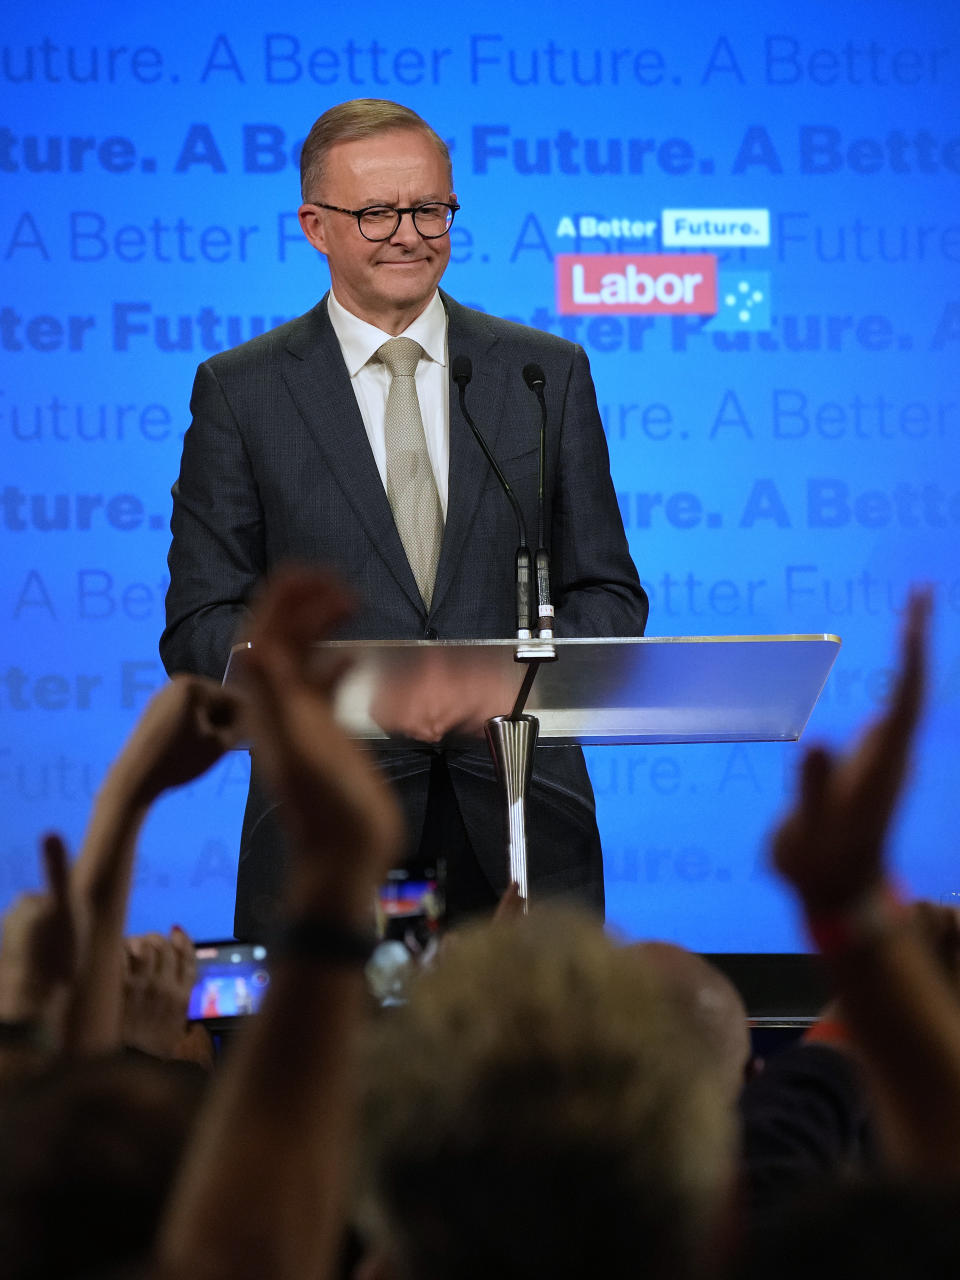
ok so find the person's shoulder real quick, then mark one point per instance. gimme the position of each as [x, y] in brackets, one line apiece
[266, 348]
[511, 333]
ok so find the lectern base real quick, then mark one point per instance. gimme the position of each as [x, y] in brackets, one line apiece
[512, 744]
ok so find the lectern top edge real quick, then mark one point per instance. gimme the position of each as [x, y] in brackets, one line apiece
[578, 641]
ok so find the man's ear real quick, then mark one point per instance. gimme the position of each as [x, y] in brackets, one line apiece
[311, 223]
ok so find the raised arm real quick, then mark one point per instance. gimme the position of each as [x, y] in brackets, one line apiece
[284, 1105]
[900, 1008]
[185, 729]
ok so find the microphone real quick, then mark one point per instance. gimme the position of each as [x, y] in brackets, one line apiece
[536, 380]
[462, 372]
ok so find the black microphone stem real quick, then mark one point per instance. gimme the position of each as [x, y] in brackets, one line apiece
[535, 379]
[523, 570]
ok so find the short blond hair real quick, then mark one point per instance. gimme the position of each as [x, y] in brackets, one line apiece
[351, 121]
[540, 1104]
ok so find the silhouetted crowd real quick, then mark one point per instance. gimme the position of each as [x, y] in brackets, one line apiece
[544, 1101]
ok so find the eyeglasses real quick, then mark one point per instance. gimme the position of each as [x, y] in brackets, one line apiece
[381, 221]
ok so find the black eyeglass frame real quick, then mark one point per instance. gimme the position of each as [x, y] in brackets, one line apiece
[413, 210]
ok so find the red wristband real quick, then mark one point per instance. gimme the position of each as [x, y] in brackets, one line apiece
[868, 917]
[829, 1031]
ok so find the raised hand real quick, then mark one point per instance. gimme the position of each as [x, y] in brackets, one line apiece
[335, 804]
[511, 904]
[289, 1115]
[832, 846]
[38, 949]
[185, 728]
[160, 971]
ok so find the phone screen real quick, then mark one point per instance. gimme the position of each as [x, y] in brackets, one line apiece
[411, 909]
[231, 980]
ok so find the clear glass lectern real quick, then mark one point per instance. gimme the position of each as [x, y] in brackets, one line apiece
[591, 691]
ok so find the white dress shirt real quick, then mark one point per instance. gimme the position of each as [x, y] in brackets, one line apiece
[370, 380]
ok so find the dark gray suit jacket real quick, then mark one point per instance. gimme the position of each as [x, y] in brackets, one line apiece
[276, 466]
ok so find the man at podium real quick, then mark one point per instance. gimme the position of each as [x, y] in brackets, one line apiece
[338, 438]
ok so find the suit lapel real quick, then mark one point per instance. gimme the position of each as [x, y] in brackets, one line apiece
[469, 335]
[320, 386]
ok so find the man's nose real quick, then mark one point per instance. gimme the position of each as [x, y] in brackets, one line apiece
[407, 233]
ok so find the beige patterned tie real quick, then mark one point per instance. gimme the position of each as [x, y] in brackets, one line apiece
[411, 487]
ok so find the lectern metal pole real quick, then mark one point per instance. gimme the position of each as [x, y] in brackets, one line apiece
[512, 743]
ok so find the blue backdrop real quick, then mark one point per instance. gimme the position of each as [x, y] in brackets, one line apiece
[787, 464]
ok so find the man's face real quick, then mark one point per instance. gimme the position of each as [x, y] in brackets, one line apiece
[387, 283]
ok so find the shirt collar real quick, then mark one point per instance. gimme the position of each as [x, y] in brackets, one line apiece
[359, 341]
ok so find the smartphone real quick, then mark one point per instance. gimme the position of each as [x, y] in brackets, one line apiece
[411, 908]
[231, 981]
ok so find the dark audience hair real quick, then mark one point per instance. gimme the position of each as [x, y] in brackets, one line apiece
[89, 1152]
[885, 1230]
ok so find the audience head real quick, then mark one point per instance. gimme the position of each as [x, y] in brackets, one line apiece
[540, 1107]
[89, 1151]
[712, 1005]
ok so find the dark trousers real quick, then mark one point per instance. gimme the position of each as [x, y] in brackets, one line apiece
[563, 841]
[445, 845]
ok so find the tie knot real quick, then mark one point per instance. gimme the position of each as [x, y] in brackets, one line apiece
[400, 355]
